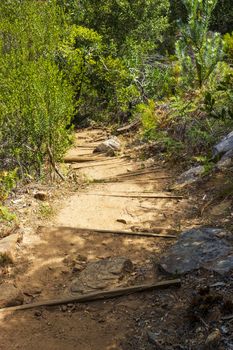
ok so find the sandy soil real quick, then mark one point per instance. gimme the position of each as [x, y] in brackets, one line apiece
[45, 265]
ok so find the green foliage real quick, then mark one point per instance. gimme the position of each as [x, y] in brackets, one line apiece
[7, 182]
[102, 82]
[228, 45]
[206, 162]
[6, 215]
[139, 22]
[106, 51]
[35, 99]
[198, 50]
[148, 117]
[218, 94]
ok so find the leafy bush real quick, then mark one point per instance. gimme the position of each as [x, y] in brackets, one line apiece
[7, 183]
[228, 45]
[198, 50]
[35, 100]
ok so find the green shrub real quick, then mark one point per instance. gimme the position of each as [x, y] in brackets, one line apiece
[35, 99]
[198, 50]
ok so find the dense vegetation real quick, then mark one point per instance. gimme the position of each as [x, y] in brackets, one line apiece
[76, 62]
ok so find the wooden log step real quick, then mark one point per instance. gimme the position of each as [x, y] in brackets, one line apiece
[158, 196]
[82, 159]
[102, 295]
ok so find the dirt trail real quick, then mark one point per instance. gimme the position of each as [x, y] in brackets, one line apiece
[47, 263]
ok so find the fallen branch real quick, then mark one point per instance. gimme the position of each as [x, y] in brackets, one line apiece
[111, 180]
[132, 233]
[129, 127]
[52, 162]
[80, 159]
[133, 196]
[103, 163]
[103, 295]
[85, 147]
[227, 318]
[137, 173]
[142, 233]
[206, 206]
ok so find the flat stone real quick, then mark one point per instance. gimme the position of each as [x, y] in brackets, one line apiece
[101, 274]
[10, 295]
[204, 247]
[8, 245]
[189, 176]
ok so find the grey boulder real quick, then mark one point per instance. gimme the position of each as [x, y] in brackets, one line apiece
[204, 247]
[110, 145]
[225, 145]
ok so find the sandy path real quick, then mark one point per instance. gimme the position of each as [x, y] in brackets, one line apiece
[47, 265]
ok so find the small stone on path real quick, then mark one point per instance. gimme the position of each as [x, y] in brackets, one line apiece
[42, 196]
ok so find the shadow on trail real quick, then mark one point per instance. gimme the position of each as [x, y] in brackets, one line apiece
[97, 325]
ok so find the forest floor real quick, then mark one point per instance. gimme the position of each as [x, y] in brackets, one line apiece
[53, 253]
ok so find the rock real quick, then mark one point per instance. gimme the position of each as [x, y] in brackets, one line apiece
[189, 176]
[226, 161]
[77, 268]
[109, 146]
[64, 308]
[213, 340]
[38, 313]
[101, 274]
[10, 295]
[225, 145]
[42, 196]
[196, 248]
[82, 258]
[122, 221]
[223, 265]
[8, 246]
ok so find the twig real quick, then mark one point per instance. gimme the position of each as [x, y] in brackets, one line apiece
[227, 318]
[129, 127]
[97, 295]
[138, 172]
[53, 164]
[206, 206]
[133, 196]
[82, 159]
[111, 180]
[119, 232]
[90, 165]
